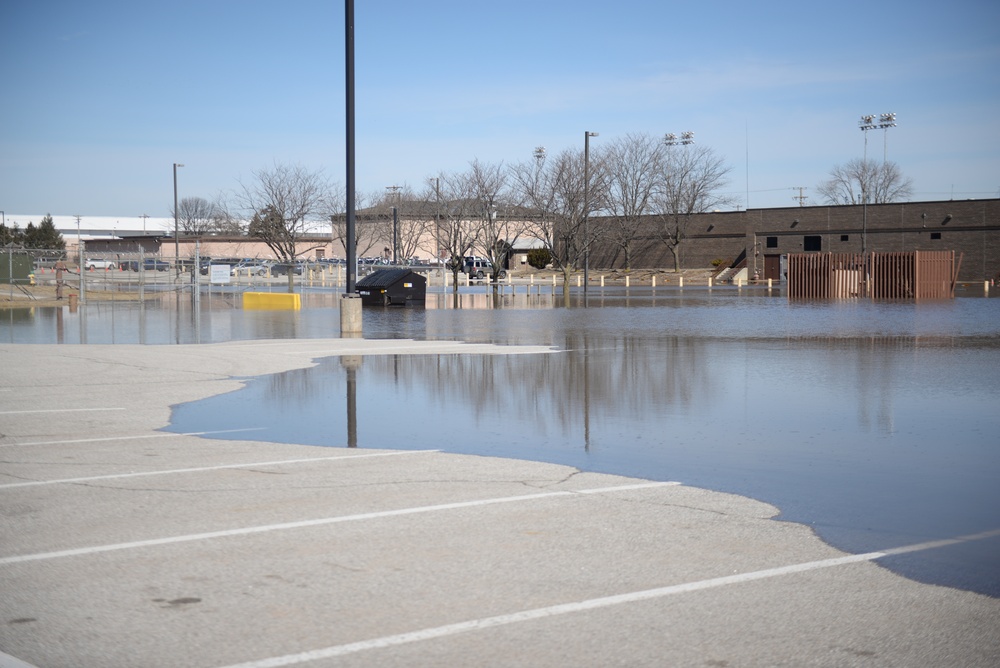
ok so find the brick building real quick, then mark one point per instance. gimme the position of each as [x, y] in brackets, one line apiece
[758, 237]
[762, 236]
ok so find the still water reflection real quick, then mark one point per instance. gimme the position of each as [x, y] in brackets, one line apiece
[875, 424]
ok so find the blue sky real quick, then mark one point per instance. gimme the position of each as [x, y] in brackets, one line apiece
[100, 98]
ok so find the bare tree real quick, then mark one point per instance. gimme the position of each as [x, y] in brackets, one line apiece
[196, 216]
[456, 205]
[633, 165]
[690, 178]
[407, 220]
[860, 180]
[497, 223]
[287, 205]
[554, 187]
[369, 228]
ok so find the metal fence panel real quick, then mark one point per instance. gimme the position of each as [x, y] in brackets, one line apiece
[881, 276]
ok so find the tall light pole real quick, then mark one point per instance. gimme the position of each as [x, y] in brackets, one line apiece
[539, 155]
[350, 304]
[676, 198]
[177, 243]
[586, 210]
[395, 223]
[349, 144]
[79, 246]
[866, 123]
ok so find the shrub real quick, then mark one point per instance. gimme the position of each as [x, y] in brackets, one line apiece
[539, 257]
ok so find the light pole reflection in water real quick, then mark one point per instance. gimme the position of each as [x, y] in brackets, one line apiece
[351, 364]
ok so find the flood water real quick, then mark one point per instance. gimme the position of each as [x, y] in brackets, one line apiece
[875, 424]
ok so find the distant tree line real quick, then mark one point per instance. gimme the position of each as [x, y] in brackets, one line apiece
[43, 237]
[630, 182]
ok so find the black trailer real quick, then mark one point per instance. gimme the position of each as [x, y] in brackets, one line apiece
[392, 287]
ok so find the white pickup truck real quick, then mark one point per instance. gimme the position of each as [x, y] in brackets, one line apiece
[98, 263]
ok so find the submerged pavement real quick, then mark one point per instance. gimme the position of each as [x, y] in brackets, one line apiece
[121, 545]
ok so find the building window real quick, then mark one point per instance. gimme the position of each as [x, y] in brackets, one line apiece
[812, 243]
[845, 237]
[772, 242]
[935, 235]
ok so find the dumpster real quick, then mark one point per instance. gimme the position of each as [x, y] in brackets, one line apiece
[392, 287]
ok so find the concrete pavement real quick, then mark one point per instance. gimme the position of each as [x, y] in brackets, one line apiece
[124, 546]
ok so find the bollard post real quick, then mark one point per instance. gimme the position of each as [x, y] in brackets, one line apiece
[680, 282]
[602, 280]
[769, 284]
[654, 280]
[350, 315]
[627, 281]
[709, 281]
[577, 280]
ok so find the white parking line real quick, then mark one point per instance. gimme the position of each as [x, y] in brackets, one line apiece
[59, 410]
[318, 522]
[588, 604]
[280, 462]
[130, 438]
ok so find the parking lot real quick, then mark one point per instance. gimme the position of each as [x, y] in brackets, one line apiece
[128, 546]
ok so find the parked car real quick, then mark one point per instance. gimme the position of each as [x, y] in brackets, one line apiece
[251, 267]
[148, 264]
[98, 263]
[47, 262]
[482, 269]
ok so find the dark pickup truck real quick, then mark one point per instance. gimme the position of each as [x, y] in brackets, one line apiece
[148, 264]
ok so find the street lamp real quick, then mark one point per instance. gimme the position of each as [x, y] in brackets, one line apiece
[586, 210]
[395, 223]
[539, 155]
[177, 243]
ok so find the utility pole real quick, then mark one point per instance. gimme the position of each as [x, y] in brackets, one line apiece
[586, 211]
[801, 196]
[79, 247]
[395, 223]
[177, 243]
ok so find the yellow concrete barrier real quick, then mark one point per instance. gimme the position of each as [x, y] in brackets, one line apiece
[257, 301]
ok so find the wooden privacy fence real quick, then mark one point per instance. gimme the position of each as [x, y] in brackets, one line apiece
[913, 275]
